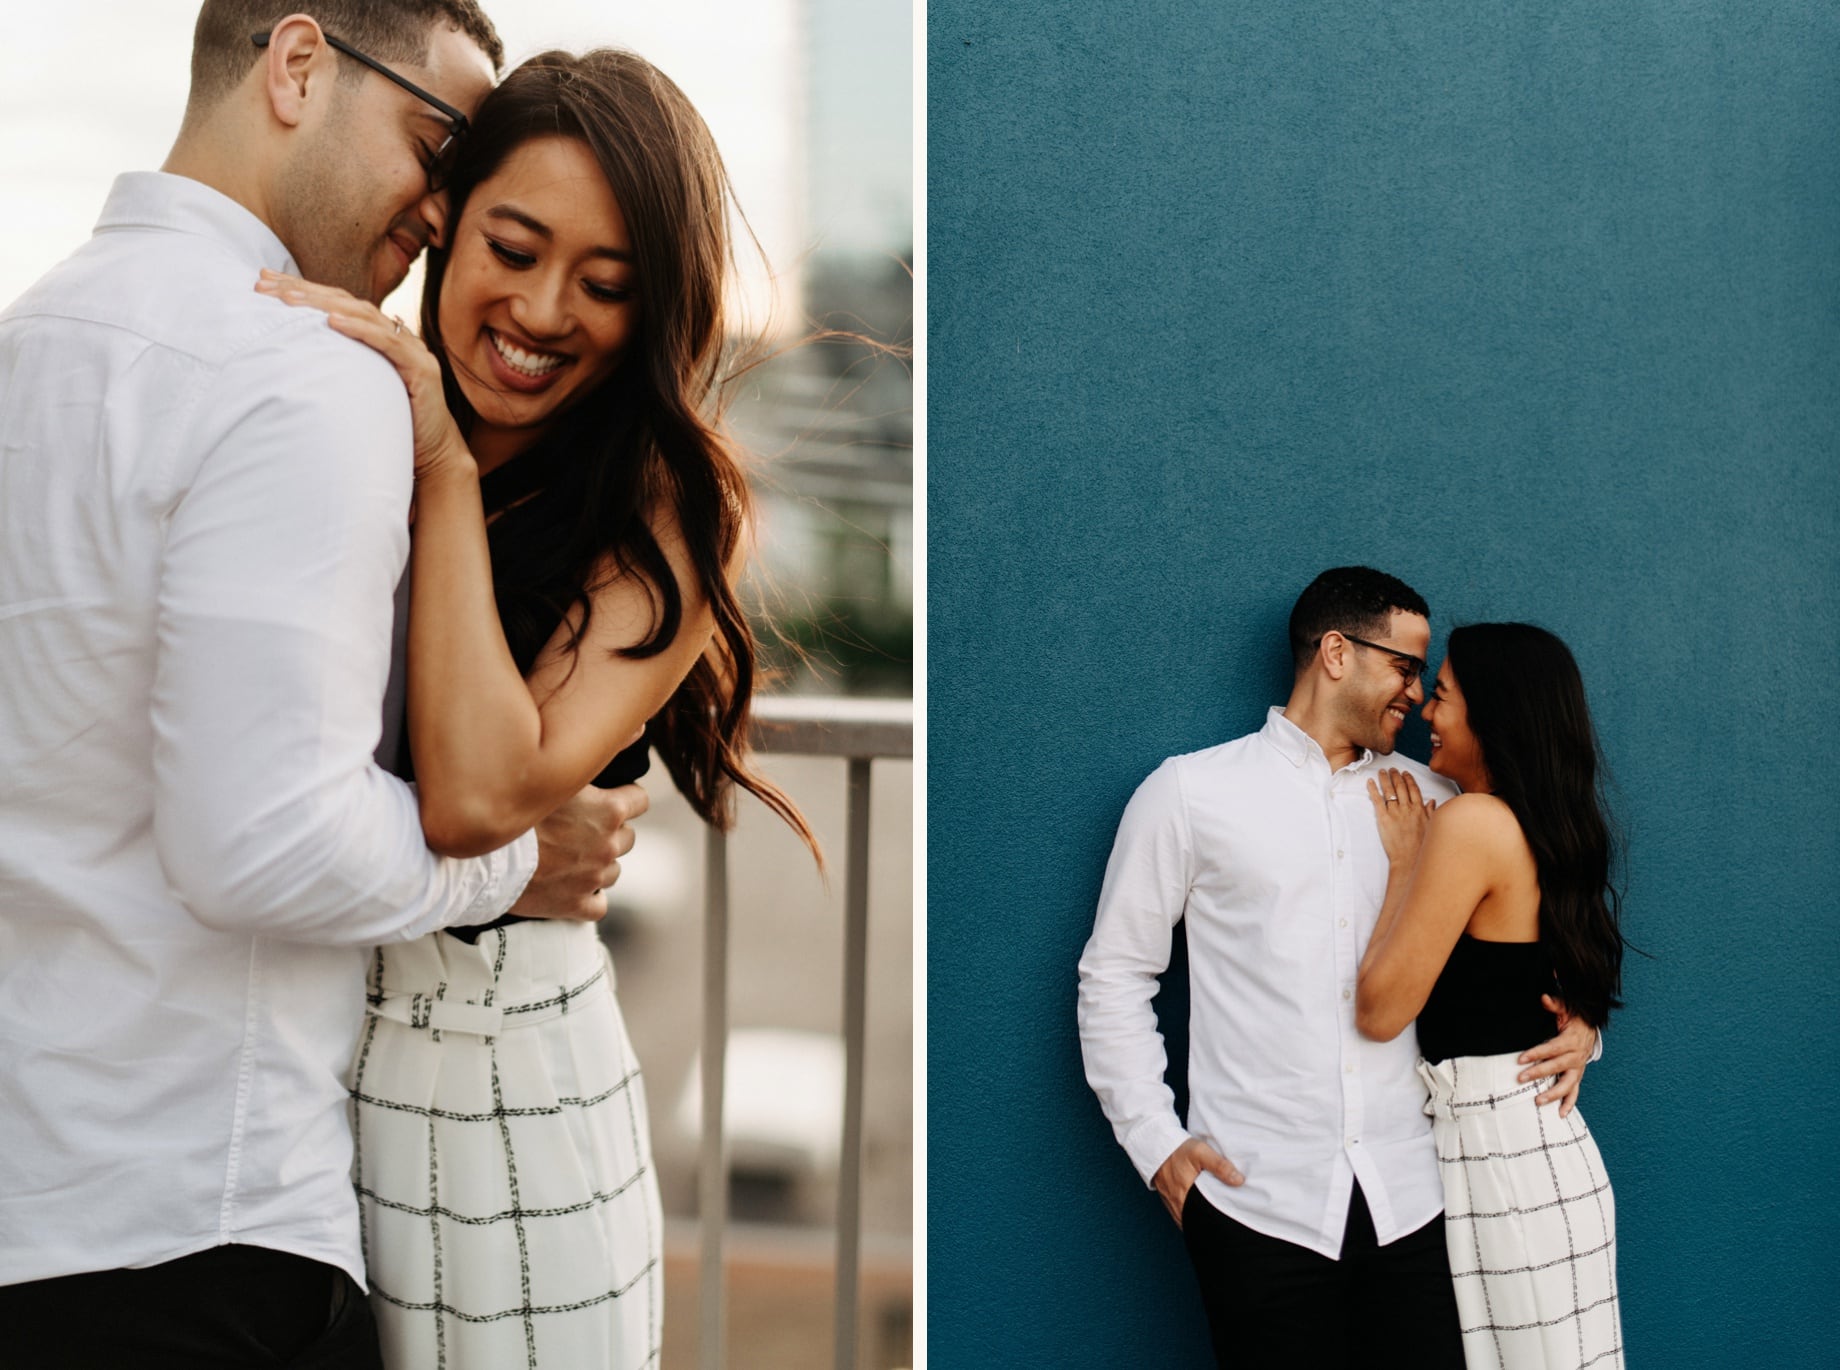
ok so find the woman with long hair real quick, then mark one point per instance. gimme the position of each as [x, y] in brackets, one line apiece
[1501, 897]
[580, 521]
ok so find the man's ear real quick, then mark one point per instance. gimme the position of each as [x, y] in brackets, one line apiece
[1333, 651]
[297, 64]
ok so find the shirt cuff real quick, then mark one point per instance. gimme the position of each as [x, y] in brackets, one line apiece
[1597, 1052]
[1151, 1142]
[505, 886]
[487, 887]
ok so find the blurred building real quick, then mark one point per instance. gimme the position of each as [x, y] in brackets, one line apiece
[833, 418]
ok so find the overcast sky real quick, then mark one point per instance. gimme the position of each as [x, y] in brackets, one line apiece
[90, 88]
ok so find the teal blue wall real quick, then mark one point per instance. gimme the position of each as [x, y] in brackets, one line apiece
[1534, 304]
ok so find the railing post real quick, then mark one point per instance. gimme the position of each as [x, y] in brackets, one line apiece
[855, 1035]
[712, 1156]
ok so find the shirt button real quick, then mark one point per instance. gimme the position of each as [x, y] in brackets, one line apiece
[1347, 994]
[1339, 855]
[1348, 1069]
[1344, 922]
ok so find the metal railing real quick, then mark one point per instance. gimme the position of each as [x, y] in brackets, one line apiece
[857, 731]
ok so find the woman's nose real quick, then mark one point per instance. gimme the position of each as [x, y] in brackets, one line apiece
[540, 309]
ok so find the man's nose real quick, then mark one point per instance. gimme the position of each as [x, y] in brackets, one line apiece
[1416, 690]
[432, 211]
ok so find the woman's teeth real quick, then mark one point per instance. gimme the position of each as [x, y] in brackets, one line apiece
[529, 363]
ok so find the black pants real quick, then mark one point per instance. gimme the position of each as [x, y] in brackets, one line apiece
[228, 1308]
[1272, 1304]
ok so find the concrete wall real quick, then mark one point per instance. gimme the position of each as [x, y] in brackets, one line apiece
[1533, 304]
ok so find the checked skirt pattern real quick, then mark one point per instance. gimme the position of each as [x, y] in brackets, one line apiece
[1529, 1221]
[508, 1201]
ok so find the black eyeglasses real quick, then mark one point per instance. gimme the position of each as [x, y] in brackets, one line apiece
[1410, 666]
[441, 164]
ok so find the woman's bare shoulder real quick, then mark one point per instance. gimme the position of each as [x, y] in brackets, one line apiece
[1480, 818]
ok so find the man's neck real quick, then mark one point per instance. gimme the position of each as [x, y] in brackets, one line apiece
[230, 171]
[1305, 711]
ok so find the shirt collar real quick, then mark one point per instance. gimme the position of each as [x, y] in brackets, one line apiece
[1296, 746]
[158, 199]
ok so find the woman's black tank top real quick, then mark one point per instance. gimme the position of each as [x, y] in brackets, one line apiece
[1487, 1001]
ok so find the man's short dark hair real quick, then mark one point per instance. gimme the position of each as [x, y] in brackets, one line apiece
[390, 30]
[1348, 599]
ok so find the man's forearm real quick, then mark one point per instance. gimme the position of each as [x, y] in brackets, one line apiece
[273, 640]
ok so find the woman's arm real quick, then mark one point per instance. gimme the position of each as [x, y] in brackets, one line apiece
[1426, 909]
[494, 753]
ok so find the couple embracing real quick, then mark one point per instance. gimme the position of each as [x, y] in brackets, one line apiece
[300, 854]
[1382, 1162]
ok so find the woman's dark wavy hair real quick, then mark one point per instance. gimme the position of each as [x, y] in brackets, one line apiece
[1526, 705]
[651, 432]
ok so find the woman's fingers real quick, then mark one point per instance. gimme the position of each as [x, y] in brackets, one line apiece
[354, 318]
[340, 304]
[1393, 790]
[323, 296]
[1411, 794]
[328, 299]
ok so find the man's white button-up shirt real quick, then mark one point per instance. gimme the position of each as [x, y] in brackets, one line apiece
[1275, 867]
[203, 514]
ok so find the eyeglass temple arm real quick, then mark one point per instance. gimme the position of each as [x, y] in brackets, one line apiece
[459, 119]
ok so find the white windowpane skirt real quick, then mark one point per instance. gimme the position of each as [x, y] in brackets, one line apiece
[1529, 1220]
[509, 1204]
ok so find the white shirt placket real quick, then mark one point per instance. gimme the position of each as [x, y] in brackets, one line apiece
[1346, 906]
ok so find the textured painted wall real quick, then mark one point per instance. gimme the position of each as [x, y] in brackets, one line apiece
[1535, 305]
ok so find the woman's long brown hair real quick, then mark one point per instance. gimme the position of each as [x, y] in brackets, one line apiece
[652, 431]
[1526, 704]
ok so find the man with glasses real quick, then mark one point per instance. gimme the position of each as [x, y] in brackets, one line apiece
[1305, 1180]
[205, 513]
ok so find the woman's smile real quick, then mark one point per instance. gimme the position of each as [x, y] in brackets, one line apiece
[523, 368]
